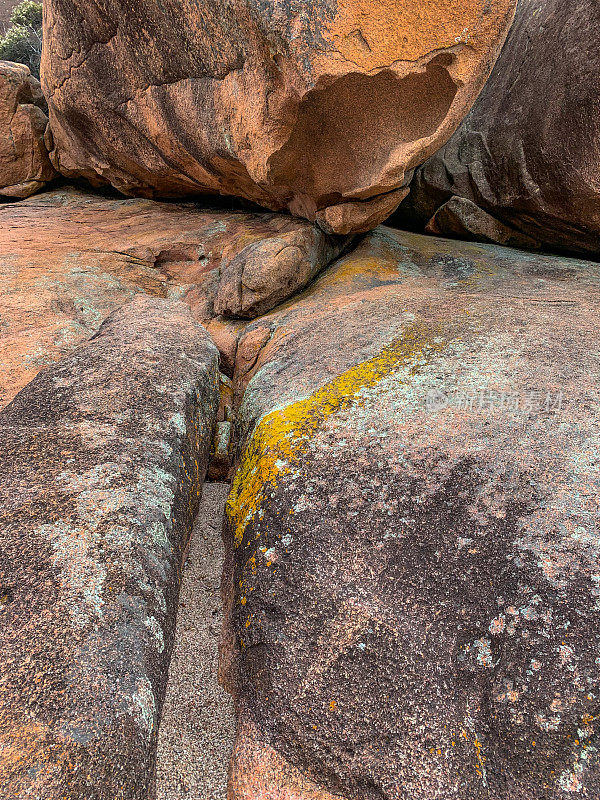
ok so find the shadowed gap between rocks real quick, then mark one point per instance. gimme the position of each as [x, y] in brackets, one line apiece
[198, 724]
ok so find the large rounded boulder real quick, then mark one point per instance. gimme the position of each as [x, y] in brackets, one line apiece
[524, 166]
[24, 164]
[323, 107]
[413, 577]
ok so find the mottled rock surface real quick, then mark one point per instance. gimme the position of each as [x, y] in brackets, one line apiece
[413, 568]
[102, 461]
[69, 258]
[528, 153]
[322, 108]
[6, 8]
[24, 163]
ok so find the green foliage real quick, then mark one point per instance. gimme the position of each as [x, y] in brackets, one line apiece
[23, 41]
[27, 14]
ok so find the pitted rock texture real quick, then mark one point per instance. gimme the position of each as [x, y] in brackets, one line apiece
[322, 108]
[24, 163]
[527, 153]
[102, 461]
[413, 568]
[69, 258]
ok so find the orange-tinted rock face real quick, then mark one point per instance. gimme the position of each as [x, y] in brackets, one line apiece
[321, 107]
[69, 258]
[24, 163]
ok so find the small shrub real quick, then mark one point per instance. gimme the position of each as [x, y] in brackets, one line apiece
[22, 42]
[28, 14]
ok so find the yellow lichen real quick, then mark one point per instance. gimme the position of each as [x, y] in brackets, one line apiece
[283, 436]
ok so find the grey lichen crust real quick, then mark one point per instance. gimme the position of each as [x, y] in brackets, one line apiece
[102, 459]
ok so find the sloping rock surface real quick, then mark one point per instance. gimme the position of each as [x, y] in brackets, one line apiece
[413, 569]
[322, 108]
[528, 152]
[69, 258]
[102, 461]
[24, 163]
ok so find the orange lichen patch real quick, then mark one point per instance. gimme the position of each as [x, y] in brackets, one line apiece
[283, 436]
[18, 743]
[360, 266]
[480, 759]
[22, 748]
[480, 767]
[408, 30]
